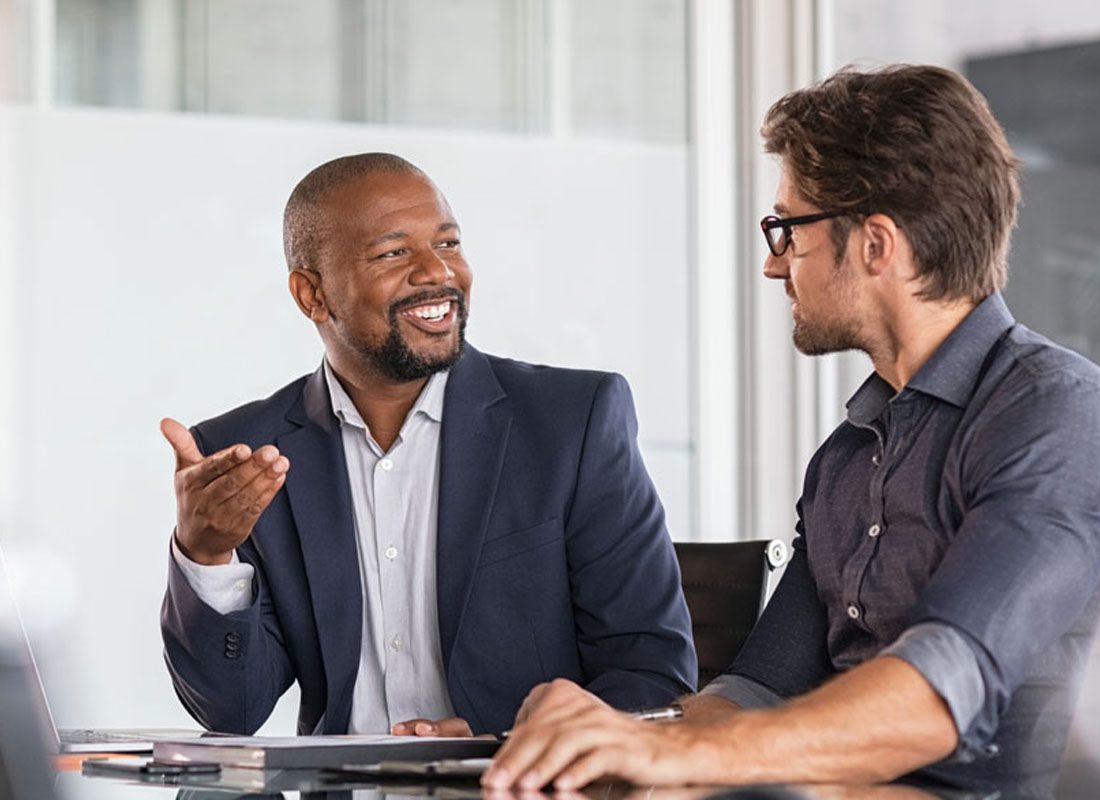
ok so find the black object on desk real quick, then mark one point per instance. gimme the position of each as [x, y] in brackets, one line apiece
[146, 768]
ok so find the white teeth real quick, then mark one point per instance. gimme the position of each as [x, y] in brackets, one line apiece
[431, 313]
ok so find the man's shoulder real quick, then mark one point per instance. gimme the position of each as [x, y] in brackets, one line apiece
[1035, 377]
[1037, 358]
[546, 397]
[527, 374]
[525, 377]
[254, 423]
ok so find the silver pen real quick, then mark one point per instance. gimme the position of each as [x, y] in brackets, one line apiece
[673, 711]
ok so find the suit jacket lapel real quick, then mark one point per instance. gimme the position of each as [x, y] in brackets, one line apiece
[476, 422]
[320, 502]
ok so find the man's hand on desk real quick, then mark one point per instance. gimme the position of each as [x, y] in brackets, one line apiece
[450, 726]
[568, 737]
[873, 723]
[220, 497]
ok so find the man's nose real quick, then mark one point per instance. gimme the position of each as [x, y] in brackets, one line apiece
[776, 267]
[431, 267]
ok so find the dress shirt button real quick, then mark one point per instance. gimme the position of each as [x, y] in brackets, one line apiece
[391, 552]
[386, 464]
[395, 643]
[853, 611]
[874, 530]
[241, 585]
[876, 459]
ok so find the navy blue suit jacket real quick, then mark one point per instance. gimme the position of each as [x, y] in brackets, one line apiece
[553, 558]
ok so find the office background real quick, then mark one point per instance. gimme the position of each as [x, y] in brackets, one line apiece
[602, 158]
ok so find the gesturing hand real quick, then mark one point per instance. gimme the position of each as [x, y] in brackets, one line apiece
[220, 497]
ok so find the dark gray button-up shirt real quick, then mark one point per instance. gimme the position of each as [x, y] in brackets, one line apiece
[955, 524]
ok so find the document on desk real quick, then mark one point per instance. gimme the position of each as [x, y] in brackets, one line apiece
[294, 752]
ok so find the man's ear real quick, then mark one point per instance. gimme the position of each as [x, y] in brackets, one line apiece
[879, 243]
[305, 288]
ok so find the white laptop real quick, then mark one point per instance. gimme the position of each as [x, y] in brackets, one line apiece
[68, 741]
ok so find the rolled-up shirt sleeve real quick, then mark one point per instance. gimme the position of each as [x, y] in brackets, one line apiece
[742, 692]
[1022, 566]
[950, 662]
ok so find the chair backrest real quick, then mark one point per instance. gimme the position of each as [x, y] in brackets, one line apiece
[725, 585]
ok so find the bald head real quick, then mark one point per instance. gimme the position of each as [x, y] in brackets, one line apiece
[305, 223]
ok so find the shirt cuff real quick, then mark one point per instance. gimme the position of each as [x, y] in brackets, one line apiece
[947, 661]
[742, 692]
[223, 587]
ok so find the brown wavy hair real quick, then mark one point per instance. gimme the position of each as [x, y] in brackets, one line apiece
[919, 144]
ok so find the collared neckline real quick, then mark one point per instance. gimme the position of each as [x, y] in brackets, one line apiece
[952, 371]
[429, 402]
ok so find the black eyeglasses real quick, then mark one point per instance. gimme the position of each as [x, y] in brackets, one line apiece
[777, 230]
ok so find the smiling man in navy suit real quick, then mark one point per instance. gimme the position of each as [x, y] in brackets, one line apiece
[417, 533]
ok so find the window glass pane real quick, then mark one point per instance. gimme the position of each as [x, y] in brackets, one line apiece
[458, 63]
[628, 67]
[264, 57]
[98, 53]
[13, 55]
[605, 68]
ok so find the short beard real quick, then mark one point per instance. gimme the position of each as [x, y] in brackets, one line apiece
[396, 360]
[821, 337]
[813, 340]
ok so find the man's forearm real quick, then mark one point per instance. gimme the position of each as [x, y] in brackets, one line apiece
[700, 708]
[880, 720]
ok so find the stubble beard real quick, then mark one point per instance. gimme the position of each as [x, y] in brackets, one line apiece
[821, 337]
[395, 359]
[833, 330]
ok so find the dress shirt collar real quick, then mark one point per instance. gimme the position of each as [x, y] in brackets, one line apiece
[429, 403]
[952, 371]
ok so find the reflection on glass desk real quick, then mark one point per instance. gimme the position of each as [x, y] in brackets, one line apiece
[326, 785]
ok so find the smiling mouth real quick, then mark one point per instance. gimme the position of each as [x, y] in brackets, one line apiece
[436, 317]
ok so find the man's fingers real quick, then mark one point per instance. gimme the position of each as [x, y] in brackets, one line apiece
[246, 506]
[226, 487]
[211, 468]
[406, 728]
[583, 771]
[569, 744]
[449, 726]
[524, 747]
[183, 443]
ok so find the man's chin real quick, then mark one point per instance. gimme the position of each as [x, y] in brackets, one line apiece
[408, 363]
[811, 342]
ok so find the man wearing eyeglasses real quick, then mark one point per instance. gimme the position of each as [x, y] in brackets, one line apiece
[942, 595]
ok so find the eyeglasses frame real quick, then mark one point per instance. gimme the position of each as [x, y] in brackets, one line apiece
[771, 222]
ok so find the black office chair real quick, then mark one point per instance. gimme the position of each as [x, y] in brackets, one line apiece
[725, 585]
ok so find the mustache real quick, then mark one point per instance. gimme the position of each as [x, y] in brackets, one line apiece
[428, 296]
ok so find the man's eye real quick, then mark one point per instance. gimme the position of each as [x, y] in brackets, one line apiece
[394, 253]
[449, 244]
